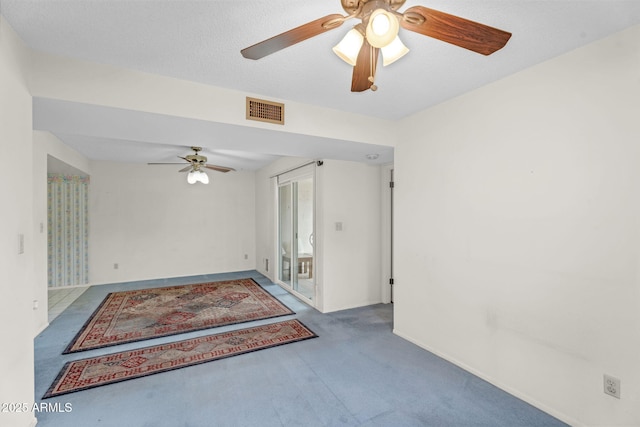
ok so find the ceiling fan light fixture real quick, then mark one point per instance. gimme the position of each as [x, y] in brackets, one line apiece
[192, 177]
[382, 28]
[393, 51]
[197, 176]
[349, 47]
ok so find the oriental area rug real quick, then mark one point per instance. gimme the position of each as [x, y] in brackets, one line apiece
[130, 316]
[115, 367]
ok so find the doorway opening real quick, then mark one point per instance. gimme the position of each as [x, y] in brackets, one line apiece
[67, 235]
[67, 225]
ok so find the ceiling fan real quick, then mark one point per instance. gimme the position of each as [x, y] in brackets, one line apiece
[378, 33]
[196, 163]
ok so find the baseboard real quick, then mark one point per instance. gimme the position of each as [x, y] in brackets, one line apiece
[248, 272]
[522, 396]
[352, 306]
[266, 274]
[42, 328]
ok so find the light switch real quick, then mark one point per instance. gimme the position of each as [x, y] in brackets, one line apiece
[338, 226]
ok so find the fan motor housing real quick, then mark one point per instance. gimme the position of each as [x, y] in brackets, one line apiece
[196, 158]
[352, 6]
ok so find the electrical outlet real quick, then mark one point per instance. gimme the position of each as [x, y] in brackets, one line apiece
[612, 386]
[116, 266]
[246, 256]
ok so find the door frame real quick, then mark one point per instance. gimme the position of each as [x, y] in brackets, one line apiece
[287, 178]
[386, 261]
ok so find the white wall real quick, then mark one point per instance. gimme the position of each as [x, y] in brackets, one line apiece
[44, 145]
[86, 82]
[518, 232]
[350, 194]
[153, 224]
[16, 271]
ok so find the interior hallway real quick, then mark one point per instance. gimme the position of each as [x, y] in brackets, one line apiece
[356, 373]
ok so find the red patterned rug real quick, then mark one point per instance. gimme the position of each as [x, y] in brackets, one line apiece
[115, 367]
[151, 313]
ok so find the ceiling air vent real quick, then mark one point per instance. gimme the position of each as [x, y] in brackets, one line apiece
[265, 111]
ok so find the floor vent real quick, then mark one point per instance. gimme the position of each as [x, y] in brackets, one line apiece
[265, 111]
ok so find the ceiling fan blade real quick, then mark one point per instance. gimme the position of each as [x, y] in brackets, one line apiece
[219, 168]
[185, 169]
[452, 29]
[173, 163]
[291, 37]
[365, 67]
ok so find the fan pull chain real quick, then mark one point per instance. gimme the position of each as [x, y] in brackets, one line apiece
[372, 68]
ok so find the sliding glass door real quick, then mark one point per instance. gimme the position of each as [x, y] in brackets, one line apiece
[285, 226]
[296, 233]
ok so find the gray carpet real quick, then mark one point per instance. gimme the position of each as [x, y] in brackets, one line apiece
[357, 373]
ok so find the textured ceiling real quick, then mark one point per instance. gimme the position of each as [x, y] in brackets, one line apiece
[201, 41]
